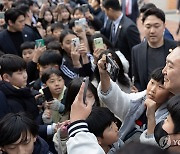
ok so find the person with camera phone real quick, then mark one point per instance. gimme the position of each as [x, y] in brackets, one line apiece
[53, 94]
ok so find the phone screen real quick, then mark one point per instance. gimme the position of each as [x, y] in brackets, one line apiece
[39, 43]
[47, 94]
[98, 43]
[1, 15]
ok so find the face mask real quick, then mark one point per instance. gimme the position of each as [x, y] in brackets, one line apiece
[161, 136]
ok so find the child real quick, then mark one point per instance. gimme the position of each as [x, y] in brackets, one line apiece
[134, 109]
[53, 79]
[56, 29]
[75, 60]
[19, 134]
[101, 122]
[170, 126]
[13, 86]
[14, 95]
[48, 59]
[27, 51]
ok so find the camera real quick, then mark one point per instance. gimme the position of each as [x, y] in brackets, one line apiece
[112, 68]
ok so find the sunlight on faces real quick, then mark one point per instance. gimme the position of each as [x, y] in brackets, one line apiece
[172, 71]
[55, 84]
[24, 145]
[154, 30]
[157, 92]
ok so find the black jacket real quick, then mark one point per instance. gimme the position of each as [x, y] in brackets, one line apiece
[19, 100]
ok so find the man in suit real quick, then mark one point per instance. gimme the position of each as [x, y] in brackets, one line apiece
[122, 31]
[130, 9]
[12, 37]
[151, 53]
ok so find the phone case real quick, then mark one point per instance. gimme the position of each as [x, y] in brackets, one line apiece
[39, 43]
[86, 80]
[112, 68]
[47, 94]
[98, 43]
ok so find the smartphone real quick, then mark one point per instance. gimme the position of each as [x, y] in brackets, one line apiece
[1, 15]
[98, 43]
[77, 23]
[39, 43]
[85, 8]
[112, 68]
[86, 80]
[75, 42]
[47, 94]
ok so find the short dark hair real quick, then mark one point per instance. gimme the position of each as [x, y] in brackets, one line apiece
[54, 45]
[99, 119]
[57, 25]
[10, 63]
[12, 15]
[77, 8]
[27, 45]
[174, 110]
[64, 33]
[147, 6]
[20, 2]
[155, 12]
[24, 8]
[157, 75]
[50, 57]
[46, 75]
[113, 4]
[15, 125]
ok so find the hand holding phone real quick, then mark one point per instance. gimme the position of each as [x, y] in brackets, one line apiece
[2, 15]
[112, 68]
[39, 43]
[85, 8]
[75, 42]
[86, 80]
[98, 43]
[47, 94]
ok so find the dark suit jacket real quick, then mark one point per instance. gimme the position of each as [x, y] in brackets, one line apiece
[139, 62]
[127, 36]
[7, 46]
[135, 10]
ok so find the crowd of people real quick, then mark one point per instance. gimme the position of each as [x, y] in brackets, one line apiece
[77, 77]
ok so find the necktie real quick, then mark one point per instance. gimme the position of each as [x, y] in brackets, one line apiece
[128, 12]
[113, 33]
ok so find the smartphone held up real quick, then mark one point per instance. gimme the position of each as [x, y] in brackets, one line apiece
[112, 68]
